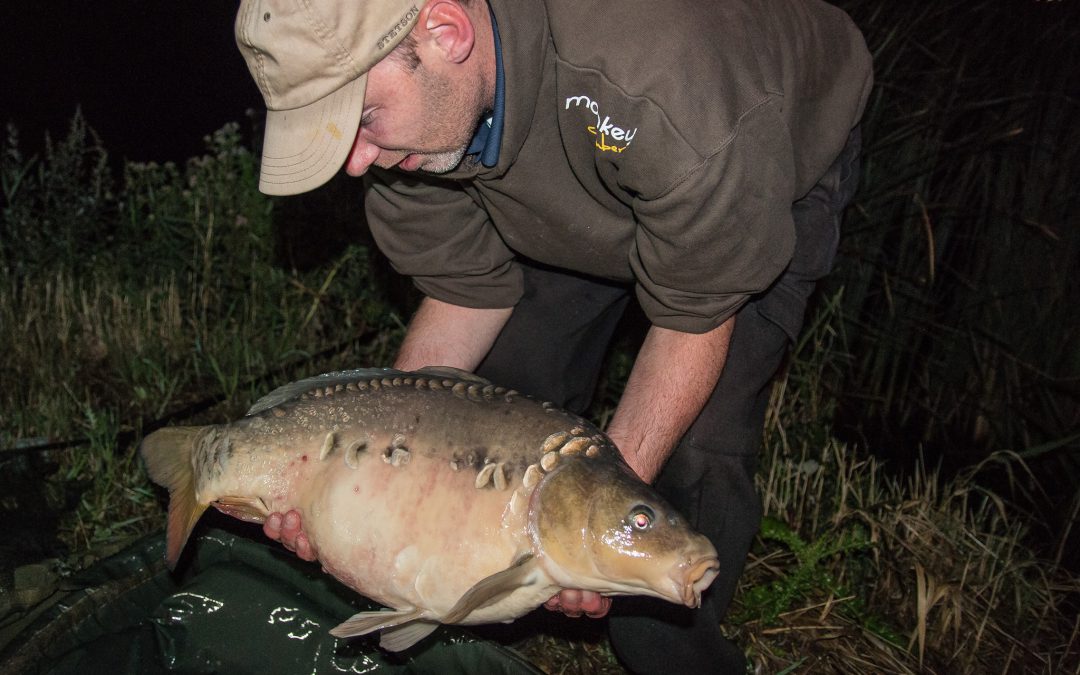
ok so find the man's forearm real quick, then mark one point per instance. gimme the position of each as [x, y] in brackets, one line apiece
[441, 334]
[672, 378]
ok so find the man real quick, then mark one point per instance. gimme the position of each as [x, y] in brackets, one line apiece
[530, 164]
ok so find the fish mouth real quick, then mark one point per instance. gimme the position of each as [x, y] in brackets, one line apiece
[699, 577]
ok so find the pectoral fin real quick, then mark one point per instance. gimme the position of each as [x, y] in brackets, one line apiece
[491, 589]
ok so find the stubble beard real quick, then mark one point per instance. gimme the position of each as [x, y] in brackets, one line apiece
[455, 108]
[442, 162]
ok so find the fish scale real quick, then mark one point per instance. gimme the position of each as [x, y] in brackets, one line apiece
[438, 494]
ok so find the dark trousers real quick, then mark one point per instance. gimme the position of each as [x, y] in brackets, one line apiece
[553, 347]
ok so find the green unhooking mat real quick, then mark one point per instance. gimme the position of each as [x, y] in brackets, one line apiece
[236, 605]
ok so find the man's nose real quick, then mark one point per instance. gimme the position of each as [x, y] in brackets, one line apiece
[362, 155]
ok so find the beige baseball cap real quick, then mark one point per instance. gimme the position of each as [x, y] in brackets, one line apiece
[310, 60]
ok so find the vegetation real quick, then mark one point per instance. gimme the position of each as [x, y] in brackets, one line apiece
[959, 272]
[124, 309]
[921, 455]
[860, 570]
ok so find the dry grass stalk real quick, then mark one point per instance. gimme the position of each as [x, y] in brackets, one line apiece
[949, 570]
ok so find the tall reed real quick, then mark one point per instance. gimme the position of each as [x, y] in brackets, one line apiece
[960, 257]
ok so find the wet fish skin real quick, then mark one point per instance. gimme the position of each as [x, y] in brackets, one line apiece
[436, 494]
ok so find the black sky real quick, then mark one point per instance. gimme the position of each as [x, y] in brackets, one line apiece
[152, 78]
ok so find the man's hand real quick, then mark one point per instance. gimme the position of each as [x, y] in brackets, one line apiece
[574, 603]
[286, 529]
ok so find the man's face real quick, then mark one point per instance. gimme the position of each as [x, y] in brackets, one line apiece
[415, 120]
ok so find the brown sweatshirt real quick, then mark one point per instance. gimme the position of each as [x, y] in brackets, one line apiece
[656, 142]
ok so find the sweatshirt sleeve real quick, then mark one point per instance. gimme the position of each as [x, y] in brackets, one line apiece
[721, 232]
[433, 231]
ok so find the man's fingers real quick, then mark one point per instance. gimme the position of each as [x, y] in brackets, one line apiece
[286, 530]
[272, 527]
[570, 600]
[304, 549]
[602, 608]
[573, 603]
[591, 603]
[290, 529]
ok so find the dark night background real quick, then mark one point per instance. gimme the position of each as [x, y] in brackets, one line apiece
[151, 78]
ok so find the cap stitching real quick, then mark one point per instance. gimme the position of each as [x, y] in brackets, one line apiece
[326, 36]
[271, 95]
[259, 55]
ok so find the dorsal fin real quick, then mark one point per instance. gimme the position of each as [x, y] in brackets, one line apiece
[294, 390]
[450, 371]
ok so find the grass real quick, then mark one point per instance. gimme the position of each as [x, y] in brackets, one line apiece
[959, 260]
[863, 570]
[946, 344]
[172, 306]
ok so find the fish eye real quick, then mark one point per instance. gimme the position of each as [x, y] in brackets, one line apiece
[641, 517]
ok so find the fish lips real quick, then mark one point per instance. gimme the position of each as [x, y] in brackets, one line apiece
[696, 579]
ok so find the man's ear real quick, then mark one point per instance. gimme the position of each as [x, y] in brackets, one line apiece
[447, 29]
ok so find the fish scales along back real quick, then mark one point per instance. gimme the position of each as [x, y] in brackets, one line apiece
[463, 421]
[468, 423]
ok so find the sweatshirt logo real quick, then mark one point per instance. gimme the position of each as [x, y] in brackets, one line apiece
[609, 136]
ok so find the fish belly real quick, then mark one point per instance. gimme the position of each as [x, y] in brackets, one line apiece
[414, 535]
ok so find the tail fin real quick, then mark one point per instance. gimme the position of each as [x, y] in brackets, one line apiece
[167, 454]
